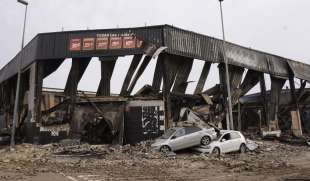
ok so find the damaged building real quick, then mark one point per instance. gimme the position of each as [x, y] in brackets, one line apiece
[47, 115]
[252, 112]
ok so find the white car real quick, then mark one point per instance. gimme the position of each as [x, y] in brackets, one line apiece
[184, 137]
[228, 141]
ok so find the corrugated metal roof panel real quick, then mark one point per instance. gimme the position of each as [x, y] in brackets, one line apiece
[300, 70]
[179, 42]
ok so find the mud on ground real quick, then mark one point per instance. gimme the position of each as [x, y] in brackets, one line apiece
[271, 161]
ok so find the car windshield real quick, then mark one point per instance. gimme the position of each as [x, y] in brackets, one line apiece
[168, 133]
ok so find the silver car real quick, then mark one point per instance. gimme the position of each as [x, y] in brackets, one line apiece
[184, 137]
[228, 141]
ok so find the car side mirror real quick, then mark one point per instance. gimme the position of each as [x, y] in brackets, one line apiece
[223, 140]
[173, 137]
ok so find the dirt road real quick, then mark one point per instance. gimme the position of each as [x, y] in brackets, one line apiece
[271, 161]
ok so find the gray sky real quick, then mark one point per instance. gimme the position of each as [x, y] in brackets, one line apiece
[275, 26]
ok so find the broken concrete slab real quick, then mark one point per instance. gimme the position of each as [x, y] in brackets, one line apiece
[251, 145]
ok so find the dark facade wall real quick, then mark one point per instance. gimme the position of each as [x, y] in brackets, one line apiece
[111, 114]
[131, 122]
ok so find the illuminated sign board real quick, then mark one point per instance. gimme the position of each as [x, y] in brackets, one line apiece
[105, 42]
[115, 42]
[75, 44]
[88, 43]
[129, 42]
[102, 43]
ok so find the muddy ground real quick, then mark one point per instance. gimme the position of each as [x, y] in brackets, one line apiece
[81, 162]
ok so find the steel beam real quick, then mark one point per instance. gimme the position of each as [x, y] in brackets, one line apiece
[183, 72]
[203, 77]
[169, 65]
[133, 66]
[140, 71]
[158, 74]
[250, 80]
[166, 91]
[264, 97]
[51, 66]
[301, 91]
[222, 75]
[77, 70]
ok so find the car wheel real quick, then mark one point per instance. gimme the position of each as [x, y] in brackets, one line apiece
[206, 140]
[243, 148]
[216, 151]
[165, 149]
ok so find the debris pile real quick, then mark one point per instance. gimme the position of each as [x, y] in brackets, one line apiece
[141, 150]
[34, 153]
[75, 157]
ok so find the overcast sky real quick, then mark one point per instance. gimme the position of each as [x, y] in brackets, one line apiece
[276, 26]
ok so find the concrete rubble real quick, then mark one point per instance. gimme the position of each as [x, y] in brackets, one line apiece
[251, 145]
[30, 160]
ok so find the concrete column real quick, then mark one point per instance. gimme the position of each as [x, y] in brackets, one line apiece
[35, 91]
[276, 88]
[107, 67]
[133, 66]
[77, 70]
[203, 77]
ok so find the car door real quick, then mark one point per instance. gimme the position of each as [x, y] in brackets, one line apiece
[193, 136]
[226, 143]
[177, 140]
[236, 141]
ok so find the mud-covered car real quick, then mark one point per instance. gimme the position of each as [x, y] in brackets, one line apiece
[184, 137]
[228, 141]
